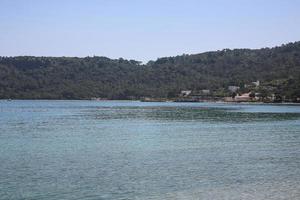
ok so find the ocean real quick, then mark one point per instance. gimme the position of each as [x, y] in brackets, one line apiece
[148, 150]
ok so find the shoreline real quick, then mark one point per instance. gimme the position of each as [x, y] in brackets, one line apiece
[159, 101]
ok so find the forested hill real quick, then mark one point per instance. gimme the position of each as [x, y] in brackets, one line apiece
[27, 77]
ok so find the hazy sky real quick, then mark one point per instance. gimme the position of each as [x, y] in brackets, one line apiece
[143, 29]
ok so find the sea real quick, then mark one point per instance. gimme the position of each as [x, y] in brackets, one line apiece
[123, 150]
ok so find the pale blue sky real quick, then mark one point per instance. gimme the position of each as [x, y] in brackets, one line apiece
[143, 30]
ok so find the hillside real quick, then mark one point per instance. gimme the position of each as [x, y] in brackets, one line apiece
[27, 77]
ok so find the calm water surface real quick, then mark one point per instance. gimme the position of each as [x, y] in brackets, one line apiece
[133, 150]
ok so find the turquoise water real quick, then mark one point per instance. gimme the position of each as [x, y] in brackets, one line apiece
[135, 150]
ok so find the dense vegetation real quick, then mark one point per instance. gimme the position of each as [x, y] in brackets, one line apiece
[27, 77]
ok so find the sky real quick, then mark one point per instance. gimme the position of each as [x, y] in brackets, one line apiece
[143, 29]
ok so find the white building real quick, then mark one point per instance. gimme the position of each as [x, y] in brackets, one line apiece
[233, 88]
[205, 92]
[256, 83]
[185, 93]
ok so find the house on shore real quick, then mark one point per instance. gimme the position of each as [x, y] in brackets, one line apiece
[256, 83]
[252, 84]
[233, 88]
[205, 92]
[185, 93]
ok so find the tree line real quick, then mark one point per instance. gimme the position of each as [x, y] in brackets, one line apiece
[29, 77]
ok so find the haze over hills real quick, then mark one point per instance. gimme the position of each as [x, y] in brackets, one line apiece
[28, 77]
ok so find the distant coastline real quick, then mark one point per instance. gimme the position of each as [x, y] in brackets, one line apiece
[158, 100]
[267, 75]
